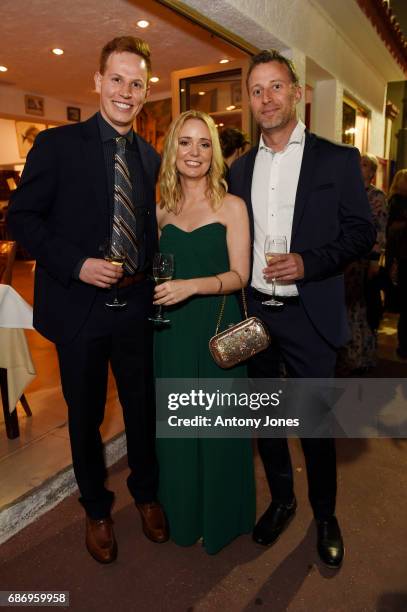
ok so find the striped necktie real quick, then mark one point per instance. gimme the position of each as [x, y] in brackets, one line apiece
[124, 219]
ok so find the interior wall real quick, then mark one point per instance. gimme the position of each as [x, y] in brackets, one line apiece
[12, 107]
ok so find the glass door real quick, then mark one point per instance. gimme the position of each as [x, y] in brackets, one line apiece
[215, 90]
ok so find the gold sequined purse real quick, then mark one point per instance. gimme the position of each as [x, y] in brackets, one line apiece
[239, 342]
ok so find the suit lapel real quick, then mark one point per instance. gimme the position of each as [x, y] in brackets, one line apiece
[247, 186]
[95, 164]
[148, 171]
[305, 181]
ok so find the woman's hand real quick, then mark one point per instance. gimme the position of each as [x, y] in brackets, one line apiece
[174, 291]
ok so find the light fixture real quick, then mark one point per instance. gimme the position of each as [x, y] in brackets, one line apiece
[201, 93]
[231, 107]
[143, 23]
[3, 68]
[351, 130]
[57, 51]
[182, 90]
[224, 61]
[154, 79]
[221, 124]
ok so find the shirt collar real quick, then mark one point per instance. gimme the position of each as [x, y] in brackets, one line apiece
[296, 137]
[107, 132]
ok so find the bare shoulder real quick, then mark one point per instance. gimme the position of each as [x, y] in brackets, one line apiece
[234, 206]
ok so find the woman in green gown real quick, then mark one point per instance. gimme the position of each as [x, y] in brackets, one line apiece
[206, 484]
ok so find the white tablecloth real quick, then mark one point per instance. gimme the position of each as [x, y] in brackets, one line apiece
[15, 314]
[14, 311]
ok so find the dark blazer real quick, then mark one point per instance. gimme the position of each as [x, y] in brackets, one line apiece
[60, 214]
[332, 226]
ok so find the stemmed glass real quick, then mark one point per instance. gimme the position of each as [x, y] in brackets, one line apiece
[274, 245]
[116, 254]
[163, 270]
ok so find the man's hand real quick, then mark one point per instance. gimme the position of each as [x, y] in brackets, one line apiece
[173, 292]
[287, 267]
[100, 273]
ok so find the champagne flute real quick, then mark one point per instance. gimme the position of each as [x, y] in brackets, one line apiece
[274, 245]
[163, 270]
[116, 254]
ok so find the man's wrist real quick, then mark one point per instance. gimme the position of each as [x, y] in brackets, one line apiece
[77, 270]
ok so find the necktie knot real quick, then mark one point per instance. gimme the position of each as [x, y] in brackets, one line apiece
[121, 144]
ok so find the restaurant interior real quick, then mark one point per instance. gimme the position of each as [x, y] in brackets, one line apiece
[193, 67]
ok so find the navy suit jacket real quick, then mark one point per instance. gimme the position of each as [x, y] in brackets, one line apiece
[332, 226]
[60, 214]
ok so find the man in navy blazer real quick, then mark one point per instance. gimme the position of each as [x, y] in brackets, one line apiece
[64, 213]
[310, 191]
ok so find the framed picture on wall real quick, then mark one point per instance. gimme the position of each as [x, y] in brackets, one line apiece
[26, 133]
[34, 105]
[73, 113]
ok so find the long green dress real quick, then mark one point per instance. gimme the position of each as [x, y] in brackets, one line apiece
[206, 485]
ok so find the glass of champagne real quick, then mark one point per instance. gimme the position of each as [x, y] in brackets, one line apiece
[163, 270]
[274, 245]
[116, 255]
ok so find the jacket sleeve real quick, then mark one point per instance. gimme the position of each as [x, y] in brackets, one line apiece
[32, 210]
[357, 234]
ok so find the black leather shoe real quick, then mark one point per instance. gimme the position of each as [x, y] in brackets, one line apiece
[330, 543]
[273, 522]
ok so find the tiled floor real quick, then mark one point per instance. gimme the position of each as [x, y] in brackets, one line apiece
[42, 449]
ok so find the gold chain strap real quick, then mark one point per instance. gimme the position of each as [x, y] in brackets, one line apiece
[222, 306]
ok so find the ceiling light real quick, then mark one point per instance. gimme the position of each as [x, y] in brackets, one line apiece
[154, 79]
[143, 23]
[231, 107]
[3, 68]
[201, 93]
[57, 51]
[224, 61]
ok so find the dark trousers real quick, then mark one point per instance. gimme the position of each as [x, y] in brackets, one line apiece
[123, 338]
[402, 323]
[306, 355]
[374, 307]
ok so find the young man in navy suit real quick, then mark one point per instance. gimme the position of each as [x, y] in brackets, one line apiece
[83, 186]
[309, 190]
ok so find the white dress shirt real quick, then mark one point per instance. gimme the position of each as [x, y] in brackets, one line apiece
[274, 188]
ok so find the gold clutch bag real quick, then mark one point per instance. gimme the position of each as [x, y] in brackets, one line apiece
[239, 342]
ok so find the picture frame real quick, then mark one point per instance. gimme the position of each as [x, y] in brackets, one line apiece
[34, 105]
[236, 93]
[26, 133]
[73, 113]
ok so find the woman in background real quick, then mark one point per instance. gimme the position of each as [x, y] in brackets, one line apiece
[362, 285]
[233, 143]
[396, 255]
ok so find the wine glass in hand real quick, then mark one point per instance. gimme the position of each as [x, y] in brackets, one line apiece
[163, 270]
[274, 245]
[116, 255]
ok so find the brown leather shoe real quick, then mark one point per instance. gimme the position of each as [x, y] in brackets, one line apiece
[100, 540]
[155, 525]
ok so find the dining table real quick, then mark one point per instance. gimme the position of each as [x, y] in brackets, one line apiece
[16, 365]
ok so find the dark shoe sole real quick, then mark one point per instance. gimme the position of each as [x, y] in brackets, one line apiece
[266, 544]
[161, 541]
[103, 561]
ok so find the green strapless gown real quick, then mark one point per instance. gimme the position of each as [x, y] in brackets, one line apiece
[206, 485]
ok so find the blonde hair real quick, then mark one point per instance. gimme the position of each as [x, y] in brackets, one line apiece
[371, 160]
[399, 177]
[170, 185]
